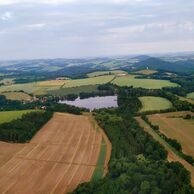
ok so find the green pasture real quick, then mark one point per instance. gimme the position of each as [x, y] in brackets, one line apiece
[88, 81]
[7, 116]
[130, 80]
[151, 103]
[190, 95]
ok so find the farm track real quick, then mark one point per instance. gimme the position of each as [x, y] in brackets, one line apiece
[172, 156]
[63, 154]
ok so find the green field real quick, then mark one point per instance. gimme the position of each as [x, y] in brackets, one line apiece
[17, 96]
[190, 95]
[151, 103]
[130, 80]
[99, 170]
[7, 116]
[39, 88]
[74, 90]
[30, 88]
[100, 73]
[88, 81]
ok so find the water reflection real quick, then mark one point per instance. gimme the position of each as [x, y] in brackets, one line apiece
[93, 102]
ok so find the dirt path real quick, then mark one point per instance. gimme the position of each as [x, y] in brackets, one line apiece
[63, 154]
[172, 156]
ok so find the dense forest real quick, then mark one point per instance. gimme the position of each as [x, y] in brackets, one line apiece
[22, 130]
[138, 163]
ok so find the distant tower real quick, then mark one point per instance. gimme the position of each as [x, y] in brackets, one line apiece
[147, 68]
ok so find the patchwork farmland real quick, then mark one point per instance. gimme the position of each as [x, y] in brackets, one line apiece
[63, 154]
[174, 126]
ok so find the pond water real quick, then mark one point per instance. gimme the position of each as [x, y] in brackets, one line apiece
[93, 102]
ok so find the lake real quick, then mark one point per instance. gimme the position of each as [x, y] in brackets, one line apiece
[93, 102]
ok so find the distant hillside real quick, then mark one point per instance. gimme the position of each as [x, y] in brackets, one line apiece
[158, 64]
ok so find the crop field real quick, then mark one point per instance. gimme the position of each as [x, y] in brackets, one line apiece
[74, 90]
[172, 154]
[100, 73]
[130, 80]
[63, 154]
[176, 127]
[154, 103]
[7, 116]
[50, 83]
[146, 72]
[17, 96]
[42, 87]
[88, 81]
[30, 88]
[191, 95]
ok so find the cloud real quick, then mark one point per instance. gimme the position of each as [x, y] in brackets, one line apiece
[6, 16]
[40, 25]
[10, 2]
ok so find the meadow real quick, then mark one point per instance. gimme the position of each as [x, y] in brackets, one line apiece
[130, 80]
[190, 95]
[7, 116]
[74, 90]
[17, 96]
[151, 103]
[88, 81]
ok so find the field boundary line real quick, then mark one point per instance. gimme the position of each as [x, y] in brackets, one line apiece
[167, 147]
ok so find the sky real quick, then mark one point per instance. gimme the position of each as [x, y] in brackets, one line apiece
[32, 29]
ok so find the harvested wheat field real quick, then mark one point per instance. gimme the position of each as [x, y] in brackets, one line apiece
[172, 155]
[63, 154]
[174, 126]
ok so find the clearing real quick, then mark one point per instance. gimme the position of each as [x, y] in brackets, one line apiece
[130, 80]
[7, 116]
[63, 154]
[151, 103]
[174, 126]
[172, 154]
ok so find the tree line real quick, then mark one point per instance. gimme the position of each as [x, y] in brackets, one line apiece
[138, 163]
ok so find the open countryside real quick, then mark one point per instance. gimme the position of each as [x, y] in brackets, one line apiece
[174, 126]
[63, 154]
[43, 87]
